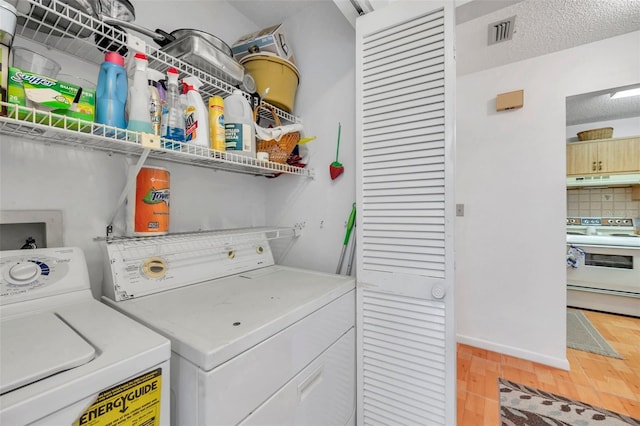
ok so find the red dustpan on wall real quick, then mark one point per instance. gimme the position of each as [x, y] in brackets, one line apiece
[336, 168]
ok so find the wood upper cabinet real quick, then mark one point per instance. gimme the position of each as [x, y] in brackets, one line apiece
[620, 155]
[582, 158]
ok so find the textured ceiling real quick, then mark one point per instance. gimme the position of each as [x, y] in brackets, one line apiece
[598, 106]
[541, 27]
[546, 26]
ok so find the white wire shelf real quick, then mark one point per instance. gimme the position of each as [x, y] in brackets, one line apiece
[226, 236]
[49, 128]
[61, 27]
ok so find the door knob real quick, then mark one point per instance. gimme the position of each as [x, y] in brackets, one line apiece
[438, 291]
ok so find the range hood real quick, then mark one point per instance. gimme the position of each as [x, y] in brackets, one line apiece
[603, 181]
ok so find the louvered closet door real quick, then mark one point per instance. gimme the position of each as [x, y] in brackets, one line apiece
[404, 126]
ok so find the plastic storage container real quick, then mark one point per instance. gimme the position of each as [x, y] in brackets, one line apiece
[78, 81]
[111, 92]
[240, 135]
[28, 60]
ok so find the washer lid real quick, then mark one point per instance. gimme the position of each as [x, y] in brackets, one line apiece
[37, 346]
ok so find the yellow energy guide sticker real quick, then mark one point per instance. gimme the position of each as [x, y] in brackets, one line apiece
[133, 403]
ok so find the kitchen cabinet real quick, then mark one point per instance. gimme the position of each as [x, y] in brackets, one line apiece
[55, 25]
[619, 155]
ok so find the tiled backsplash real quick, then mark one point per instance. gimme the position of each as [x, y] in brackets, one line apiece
[602, 202]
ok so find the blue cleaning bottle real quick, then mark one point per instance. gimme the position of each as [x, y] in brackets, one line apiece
[174, 117]
[111, 93]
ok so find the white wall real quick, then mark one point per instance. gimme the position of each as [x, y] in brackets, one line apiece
[325, 56]
[85, 184]
[510, 245]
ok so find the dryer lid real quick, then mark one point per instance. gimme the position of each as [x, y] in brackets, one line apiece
[37, 346]
[211, 322]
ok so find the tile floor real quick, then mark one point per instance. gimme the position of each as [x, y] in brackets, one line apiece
[595, 379]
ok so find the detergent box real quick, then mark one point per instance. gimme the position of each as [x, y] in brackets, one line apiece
[271, 39]
[49, 95]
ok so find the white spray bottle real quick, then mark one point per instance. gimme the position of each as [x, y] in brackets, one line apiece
[139, 97]
[196, 114]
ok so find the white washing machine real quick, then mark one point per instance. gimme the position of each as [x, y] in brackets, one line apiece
[68, 359]
[253, 343]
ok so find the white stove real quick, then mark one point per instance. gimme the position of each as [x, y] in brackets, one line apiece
[252, 342]
[602, 231]
[68, 359]
[603, 264]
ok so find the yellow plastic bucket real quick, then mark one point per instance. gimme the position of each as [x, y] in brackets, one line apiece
[277, 74]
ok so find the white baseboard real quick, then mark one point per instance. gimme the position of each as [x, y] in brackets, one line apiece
[561, 363]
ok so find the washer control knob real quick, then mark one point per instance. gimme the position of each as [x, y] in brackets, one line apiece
[438, 291]
[24, 272]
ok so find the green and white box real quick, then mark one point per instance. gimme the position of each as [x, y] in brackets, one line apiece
[31, 90]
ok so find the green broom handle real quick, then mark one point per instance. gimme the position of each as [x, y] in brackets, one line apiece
[350, 223]
[338, 148]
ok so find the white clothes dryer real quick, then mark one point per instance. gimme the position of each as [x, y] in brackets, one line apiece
[68, 359]
[253, 343]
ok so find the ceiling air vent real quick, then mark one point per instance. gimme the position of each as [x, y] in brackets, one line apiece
[501, 31]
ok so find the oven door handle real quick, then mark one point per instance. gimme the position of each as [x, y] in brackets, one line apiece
[581, 245]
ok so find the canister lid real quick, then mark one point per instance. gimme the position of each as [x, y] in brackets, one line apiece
[8, 6]
[248, 83]
[7, 22]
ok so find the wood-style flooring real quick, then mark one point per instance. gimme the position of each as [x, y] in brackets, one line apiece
[598, 380]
